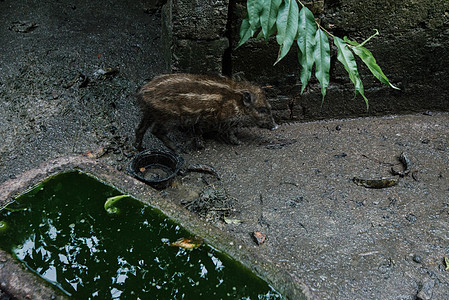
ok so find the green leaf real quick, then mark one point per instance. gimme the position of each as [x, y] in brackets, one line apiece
[110, 202]
[322, 58]
[306, 43]
[254, 8]
[246, 32]
[345, 56]
[287, 26]
[268, 16]
[367, 57]
[3, 227]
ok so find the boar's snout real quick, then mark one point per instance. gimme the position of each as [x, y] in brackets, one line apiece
[268, 124]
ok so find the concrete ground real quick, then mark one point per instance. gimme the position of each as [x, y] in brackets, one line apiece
[295, 185]
[343, 240]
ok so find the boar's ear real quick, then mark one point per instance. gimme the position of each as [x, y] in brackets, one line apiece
[248, 99]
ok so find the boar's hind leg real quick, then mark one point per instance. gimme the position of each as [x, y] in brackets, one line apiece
[144, 124]
[162, 134]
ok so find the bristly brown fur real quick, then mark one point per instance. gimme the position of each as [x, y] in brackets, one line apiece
[201, 101]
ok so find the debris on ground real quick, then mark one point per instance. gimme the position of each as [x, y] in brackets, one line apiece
[232, 221]
[376, 183]
[259, 237]
[426, 291]
[213, 203]
[97, 153]
[406, 162]
[388, 182]
[23, 26]
[80, 79]
[201, 168]
[106, 72]
[279, 144]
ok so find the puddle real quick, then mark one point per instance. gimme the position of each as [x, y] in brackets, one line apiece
[61, 231]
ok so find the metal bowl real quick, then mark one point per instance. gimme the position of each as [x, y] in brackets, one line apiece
[157, 168]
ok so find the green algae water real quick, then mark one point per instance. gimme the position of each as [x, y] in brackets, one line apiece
[61, 231]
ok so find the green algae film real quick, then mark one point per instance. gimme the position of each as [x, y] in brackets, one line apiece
[61, 231]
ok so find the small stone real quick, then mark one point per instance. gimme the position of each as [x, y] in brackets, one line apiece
[417, 259]
[426, 291]
[411, 218]
[259, 237]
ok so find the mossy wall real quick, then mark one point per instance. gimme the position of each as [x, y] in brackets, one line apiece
[411, 50]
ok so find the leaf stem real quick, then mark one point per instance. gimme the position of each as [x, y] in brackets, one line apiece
[367, 40]
[319, 25]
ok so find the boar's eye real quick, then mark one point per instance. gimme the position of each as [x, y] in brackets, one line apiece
[248, 99]
[262, 110]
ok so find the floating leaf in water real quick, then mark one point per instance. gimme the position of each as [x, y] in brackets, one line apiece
[186, 243]
[446, 262]
[109, 204]
[3, 227]
[16, 209]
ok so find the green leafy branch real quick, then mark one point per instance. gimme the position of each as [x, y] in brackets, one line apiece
[289, 23]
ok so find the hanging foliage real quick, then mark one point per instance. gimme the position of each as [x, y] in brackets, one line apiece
[290, 21]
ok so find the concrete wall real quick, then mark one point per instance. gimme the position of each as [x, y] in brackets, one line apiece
[193, 35]
[411, 50]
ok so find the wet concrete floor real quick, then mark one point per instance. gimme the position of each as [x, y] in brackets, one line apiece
[343, 240]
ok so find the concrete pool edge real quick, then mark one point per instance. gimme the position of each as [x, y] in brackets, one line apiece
[287, 284]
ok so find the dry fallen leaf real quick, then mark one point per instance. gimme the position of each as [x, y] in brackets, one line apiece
[188, 243]
[97, 153]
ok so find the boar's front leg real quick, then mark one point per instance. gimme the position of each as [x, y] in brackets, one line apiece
[231, 138]
[144, 124]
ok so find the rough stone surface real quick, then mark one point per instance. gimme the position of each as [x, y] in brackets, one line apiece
[22, 284]
[197, 56]
[199, 20]
[194, 35]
